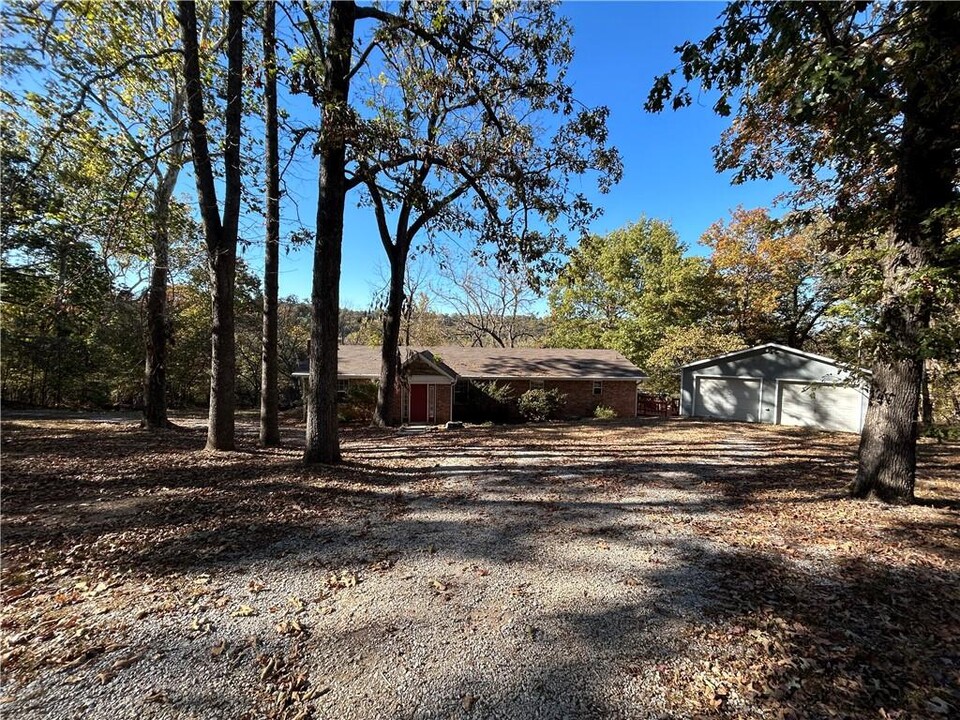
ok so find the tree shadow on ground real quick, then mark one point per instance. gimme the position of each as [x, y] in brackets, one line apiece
[839, 637]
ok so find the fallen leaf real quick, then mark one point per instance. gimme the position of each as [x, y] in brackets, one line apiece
[244, 611]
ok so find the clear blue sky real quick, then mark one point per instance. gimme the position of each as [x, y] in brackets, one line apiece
[668, 162]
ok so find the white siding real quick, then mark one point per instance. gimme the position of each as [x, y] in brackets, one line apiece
[820, 405]
[728, 398]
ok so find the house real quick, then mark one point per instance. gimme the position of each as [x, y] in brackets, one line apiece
[775, 384]
[452, 383]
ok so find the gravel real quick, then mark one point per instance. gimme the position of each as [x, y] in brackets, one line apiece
[502, 583]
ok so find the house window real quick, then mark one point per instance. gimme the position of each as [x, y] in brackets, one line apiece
[536, 384]
[597, 387]
[342, 386]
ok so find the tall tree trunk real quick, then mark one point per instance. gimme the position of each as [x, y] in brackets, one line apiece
[269, 393]
[924, 182]
[158, 322]
[221, 236]
[322, 441]
[392, 319]
[155, 369]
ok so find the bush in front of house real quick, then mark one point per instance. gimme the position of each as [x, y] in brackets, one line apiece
[359, 403]
[494, 401]
[602, 412]
[539, 405]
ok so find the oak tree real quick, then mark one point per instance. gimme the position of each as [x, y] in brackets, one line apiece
[857, 103]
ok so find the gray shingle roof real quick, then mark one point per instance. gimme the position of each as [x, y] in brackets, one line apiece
[486, 362]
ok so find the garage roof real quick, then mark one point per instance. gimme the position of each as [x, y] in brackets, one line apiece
[768, 347]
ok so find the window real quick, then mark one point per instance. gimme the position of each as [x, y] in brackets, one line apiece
[342, 386]
[536, 384]
[597, 387]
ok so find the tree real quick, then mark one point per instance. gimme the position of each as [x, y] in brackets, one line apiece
[459, 142]
[623, 290]
[858, 105]
[123, 67]
[775, 282]
[455, 60]
[269, 391]
[57, 246]
[491, 305]
[331, 92]
[220, 233]
[683, 345]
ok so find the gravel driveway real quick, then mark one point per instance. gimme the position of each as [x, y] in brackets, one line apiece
[453, 578]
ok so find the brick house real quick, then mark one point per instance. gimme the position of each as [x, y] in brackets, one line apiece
[451, 383]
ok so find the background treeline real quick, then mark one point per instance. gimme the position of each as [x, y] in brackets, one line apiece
[73, 316]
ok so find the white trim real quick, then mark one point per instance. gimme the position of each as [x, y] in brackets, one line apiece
[696, 388]
[428, 379]
[771, 346]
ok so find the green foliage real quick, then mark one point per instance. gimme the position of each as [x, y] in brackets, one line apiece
[838, 97]
[492, 401]
[58, 298]
[537, 405]
[602, 412]
[359, 403]
[681, 346]
[622, 290]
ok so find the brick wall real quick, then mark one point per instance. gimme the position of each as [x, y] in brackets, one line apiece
[620, 395]
[443, 403]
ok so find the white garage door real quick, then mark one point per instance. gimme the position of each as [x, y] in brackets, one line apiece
[727, 398]
[820, 405]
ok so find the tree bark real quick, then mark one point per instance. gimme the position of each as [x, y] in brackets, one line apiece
[221, 236]
[392, 319]
[158, 322]
[155, 368]
[924, 182]
[269, 392]
[322, 441]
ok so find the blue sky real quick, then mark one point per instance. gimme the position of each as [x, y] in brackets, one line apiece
[668, 161]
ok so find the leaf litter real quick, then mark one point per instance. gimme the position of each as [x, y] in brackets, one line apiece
[805, 603]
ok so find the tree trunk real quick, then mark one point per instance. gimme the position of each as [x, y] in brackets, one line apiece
[158, 322]
[221, 236]
[392, 319]
[924, 183]
[155, 369]
[269, 393]
[322, 441]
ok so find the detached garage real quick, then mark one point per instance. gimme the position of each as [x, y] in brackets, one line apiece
[774, 384]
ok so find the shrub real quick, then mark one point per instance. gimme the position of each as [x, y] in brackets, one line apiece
[359, 404]
[540, 405]
[492, 401]
[602, 412]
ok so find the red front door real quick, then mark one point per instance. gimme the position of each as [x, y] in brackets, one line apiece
[418, 403]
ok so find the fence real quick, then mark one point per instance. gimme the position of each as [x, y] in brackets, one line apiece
[650, 405]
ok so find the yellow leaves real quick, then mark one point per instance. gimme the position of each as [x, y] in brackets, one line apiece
[345, 579]
[245, 611]
[290, 626]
